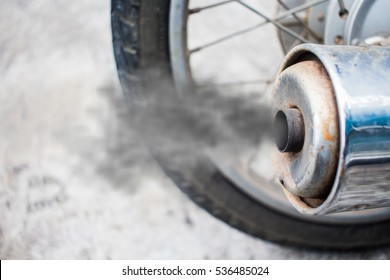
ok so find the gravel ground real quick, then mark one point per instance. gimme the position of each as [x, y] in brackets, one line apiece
[75, 180]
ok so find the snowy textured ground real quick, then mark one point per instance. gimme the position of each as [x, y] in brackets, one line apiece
[75, 181]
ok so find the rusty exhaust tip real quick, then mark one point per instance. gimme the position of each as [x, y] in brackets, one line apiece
[289, 130]
[305, 108]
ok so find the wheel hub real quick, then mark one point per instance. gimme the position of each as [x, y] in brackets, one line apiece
[363, 22]
[346, 22]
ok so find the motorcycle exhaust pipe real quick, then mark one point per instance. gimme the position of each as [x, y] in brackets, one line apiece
[332, 128]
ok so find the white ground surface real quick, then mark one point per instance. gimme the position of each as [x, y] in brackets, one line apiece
[75, 181]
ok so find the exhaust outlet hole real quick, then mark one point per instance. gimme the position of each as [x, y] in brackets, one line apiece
[281, 132]
[289, 130]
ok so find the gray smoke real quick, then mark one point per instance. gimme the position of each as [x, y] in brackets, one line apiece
[200, 121]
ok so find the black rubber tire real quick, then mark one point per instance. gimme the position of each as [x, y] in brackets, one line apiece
[140, 40]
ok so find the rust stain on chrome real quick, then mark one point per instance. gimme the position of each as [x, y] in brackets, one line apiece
[325, 132]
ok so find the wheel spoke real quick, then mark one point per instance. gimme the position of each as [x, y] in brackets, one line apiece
[342, 6]
[284, 15]
[302, 22]
[296, 42]
[343, 10]
[301, 8]
[197, 10]
[277, 24]
[227, 37]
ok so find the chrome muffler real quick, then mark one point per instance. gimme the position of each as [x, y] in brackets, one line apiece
[332, 128]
